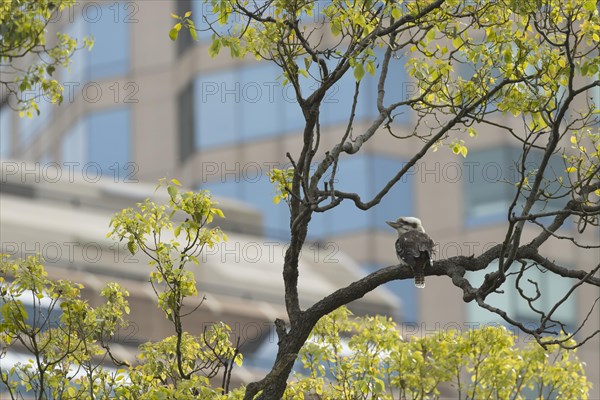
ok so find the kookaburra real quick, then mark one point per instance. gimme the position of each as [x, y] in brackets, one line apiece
[413, 247]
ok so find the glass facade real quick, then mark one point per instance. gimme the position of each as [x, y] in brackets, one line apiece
[251, 103]
[552, 288]
[30, 128]
[108, 23]
[216, 104]
[363, 174]
[257, 192]
[243, 104]
[100, 143]
[490, 176]
[366, 175]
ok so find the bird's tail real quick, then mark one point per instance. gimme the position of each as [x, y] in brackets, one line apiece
[419, 277]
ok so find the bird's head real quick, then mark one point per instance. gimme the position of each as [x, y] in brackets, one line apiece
[406, 224]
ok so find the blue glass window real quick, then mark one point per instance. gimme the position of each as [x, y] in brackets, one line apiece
[109, 25]
[366, 175]
[109, 139]
[217, 99]
[275, 216]
[76, 73]
[354, 174]
[337, 104]
[75, 144]
[261, 101]
[490, 176]
[225, 189]
[251, 103]
[102, 138]
[552, 288]
[5, 131]
[29, 128]
[487, 194]
[258, 193]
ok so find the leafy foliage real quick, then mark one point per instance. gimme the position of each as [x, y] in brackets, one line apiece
[29, 56]
[345, 357]
[70, 348]
[366, 357]
[282, 179]
[65, 337]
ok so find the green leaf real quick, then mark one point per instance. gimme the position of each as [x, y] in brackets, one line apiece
[590, 5]
[359, 72]
[172, 192]
[336, 28]
[371, 67]
[188, 14]
[131, 246]
[307, 63]
[215, 47]
[173, 33]
[457, 42]
[431, 34]
[193, 33]
[234, 48]
[175, 182]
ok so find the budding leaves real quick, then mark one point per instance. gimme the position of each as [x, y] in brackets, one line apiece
[215, 47]
[359, 72]
[174, 32]
[131, 246]
[172, 190]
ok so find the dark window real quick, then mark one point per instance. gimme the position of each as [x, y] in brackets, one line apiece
[186, 122]
[6, 116]
[184, 40]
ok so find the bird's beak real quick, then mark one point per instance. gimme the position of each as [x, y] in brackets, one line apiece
[392, 224]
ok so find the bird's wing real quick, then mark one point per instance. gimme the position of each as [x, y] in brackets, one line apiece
[407, 248]
[415, 242]
[411, 246]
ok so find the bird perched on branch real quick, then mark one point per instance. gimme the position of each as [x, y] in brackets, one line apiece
[413, 247]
